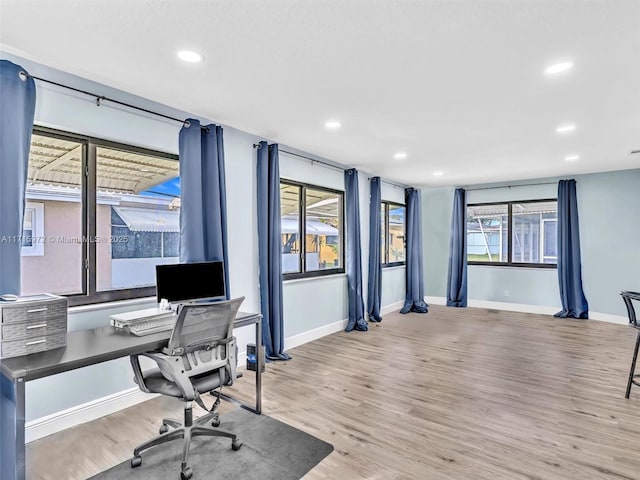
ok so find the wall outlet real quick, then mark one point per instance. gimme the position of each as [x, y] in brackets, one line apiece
[506, 293]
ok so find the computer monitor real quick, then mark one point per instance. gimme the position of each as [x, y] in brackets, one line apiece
[183, 282]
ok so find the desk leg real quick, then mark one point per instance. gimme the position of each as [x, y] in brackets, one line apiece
[259, 363]
[12, 456]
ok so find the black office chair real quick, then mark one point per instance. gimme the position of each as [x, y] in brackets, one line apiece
[628, 298]
[200, 357]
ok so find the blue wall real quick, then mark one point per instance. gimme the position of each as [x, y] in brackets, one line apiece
[609, 205]
[437, 205]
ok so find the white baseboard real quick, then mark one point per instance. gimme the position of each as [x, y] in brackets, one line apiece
[435, 300]
[607, 317]
[42, 427]
[311, 335]
[391, 307]
[525, 308]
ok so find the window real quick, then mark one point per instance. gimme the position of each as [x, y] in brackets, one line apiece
[312, 230]
[513, 233]
[99, 216]
[392, 241]
[33, 230]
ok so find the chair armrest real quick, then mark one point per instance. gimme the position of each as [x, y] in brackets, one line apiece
[137, 371]
[171, 368]
[631, 295]
[628, 297]
[232, 363]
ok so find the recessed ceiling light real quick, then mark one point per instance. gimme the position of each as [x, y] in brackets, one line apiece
[572, 158]
[438, 173]
[400, 156]
[189, 56]
[558, 68]
[566, 128]
[332, 125]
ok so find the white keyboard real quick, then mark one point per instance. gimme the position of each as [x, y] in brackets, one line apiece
[122, 319]
[147, 326]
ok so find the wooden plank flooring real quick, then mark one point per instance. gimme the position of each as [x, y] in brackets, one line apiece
[453, 394]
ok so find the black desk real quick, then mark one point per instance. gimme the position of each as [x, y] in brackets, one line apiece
[84, 348]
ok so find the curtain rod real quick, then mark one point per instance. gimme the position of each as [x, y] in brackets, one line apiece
[312, 160]
[391, 183]
[510, 186]
[394, 184]
[101, 98]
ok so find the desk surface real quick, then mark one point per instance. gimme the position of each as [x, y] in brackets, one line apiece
[88, 347]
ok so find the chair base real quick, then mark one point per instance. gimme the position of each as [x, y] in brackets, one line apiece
[185, 431]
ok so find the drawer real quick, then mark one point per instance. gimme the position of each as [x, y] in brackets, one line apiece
[34, 311]
[47, 326]
[14, 348]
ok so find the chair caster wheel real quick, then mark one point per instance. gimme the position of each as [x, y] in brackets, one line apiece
[236, 444]
[215, 422]
[136, 461]
[186, 474]
[164, 429]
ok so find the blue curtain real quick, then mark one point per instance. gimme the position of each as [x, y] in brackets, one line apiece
[375, 262]
[354, 259]
[457, 278]
[414, 300]
[574, 303]
[269, 251]
[203, 211]
[17, 109]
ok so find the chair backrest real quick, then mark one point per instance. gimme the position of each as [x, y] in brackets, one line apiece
[203, 334]
[628, 298]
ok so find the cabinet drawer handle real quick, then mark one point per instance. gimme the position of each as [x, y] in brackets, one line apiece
[30, 327]
[36, 342]
[43, 309]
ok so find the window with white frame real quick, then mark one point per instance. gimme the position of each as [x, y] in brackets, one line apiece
[33, 230]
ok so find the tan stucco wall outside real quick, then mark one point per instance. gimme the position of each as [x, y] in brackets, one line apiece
[59, 269]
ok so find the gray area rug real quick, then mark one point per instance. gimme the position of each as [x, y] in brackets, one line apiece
[271, 450]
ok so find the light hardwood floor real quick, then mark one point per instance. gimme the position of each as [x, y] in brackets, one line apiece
[453, 394]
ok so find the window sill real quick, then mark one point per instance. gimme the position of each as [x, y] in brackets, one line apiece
[520, 266]
[394, 266]
[108, 305]
[315, 278]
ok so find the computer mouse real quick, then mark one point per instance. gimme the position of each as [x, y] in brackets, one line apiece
[8, 297]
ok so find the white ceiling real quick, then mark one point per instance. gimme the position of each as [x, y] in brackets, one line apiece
[459, 86]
